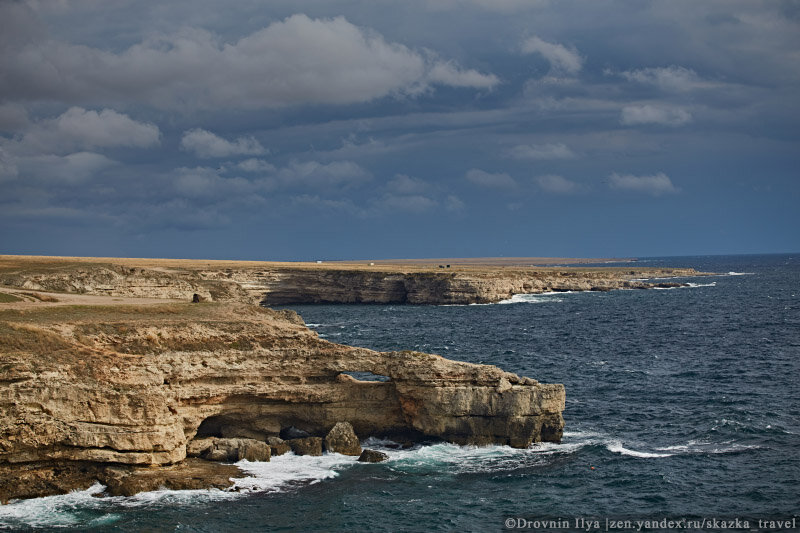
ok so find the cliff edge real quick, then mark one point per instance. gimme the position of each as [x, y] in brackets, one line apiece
[98, 391]
[271, 283]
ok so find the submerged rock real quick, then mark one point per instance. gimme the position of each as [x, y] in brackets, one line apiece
[372, 456]
[342, 439]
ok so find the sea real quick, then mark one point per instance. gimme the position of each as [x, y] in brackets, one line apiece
[682, 412]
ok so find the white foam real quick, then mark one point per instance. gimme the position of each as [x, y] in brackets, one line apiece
[313, 325]
[50, 511]
[174, 497]
[288, 469]
[694, 285]
[741, 273]
[696, 447]
[617, 447]
[543, 297]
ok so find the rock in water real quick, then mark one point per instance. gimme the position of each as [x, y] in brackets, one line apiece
[307, 446]
[278, 446]
[342, 439]
[372, 456]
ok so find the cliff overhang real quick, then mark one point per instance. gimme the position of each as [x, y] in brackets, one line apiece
[87, 388]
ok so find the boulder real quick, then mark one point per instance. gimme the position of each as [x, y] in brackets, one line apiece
[192, 474]
[372, 456]
[306, 446]
[342, 439]
[229, 450]
[199, 447]
[278, 446]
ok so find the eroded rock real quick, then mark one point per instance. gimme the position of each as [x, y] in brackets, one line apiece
[229, 450]
[124, 386]
[306, 446]
[278, 446]
[342, 439]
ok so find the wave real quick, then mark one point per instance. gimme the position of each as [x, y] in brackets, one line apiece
[50, 511]
[688, 285]
[580, 439]
[699, 447]
[543, 297]
[289, 470]
[740, 273]
[617, 447]
[84, 508]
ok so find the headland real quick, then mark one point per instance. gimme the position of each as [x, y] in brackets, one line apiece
[109, 372]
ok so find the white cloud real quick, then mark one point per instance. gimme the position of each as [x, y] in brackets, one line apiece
[315, 174]
[79, 129]
[454, 203]
[500, 6]
[541, 151]
[556, 184]
[256, 165]
[486, 179]
[8, 167]
[71, 169]
[207, 145]
[672, 78]
[448, 73]
[655, 185]
[413, 203]
[403, 184]
[650, 114]
[91, 129]
[203, 182]
[294, 61]
[561, 58]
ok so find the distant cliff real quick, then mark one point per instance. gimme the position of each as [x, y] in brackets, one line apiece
[284, 285]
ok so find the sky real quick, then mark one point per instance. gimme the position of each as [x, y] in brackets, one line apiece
[332, 129]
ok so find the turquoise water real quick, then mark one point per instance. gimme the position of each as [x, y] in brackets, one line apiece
[685, 401]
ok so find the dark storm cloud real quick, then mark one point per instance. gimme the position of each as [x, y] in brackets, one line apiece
[143, 120]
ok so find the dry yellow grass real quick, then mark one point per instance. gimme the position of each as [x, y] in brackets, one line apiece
[485, 264]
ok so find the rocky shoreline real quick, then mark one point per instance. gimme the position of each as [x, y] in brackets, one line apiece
[125, 393]
[105, 379]
[274, 284]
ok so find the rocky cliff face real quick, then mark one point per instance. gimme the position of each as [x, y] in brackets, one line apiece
[282, 285]
[133, 385]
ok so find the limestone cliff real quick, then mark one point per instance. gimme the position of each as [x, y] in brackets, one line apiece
[283, 284]
[132, 385]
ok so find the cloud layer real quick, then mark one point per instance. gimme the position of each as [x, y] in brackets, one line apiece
[299, 60]
[655, 185]
[206, 144]
[349, 129]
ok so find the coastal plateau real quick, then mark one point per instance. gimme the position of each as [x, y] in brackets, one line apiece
[271, 283]
[108, 373]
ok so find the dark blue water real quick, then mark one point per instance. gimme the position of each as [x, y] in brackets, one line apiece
[685, 401]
